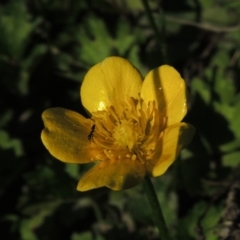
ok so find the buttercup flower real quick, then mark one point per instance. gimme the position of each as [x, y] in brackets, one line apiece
[134, 127]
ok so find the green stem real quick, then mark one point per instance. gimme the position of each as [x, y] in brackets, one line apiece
[159, 34]
[156, 209]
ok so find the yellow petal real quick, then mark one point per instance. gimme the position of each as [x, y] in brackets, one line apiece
[117, 175]
[66, 135]
[175, 138]
[108, 82]
[165, 86]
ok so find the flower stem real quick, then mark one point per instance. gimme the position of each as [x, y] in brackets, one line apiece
[156, 209]
[159, 34]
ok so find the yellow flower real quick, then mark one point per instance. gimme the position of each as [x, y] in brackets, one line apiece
[134, 129]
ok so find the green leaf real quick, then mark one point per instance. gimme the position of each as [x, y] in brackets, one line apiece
[38, 213]
[202, 88]
[72, 170]
[7, 143]
[218, 16]
[209, 220]
[96, 43]
[26, 232]
[16, 29]
[87, 235]
[232, 159]
[5, 116]
[124, 39]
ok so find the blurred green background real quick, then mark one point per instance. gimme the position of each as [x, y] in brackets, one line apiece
[47, 46]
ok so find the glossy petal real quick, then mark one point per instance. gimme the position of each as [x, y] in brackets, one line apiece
[165, 85]
[108, 82]
[175, 138]
[117, 175]
[66, 135]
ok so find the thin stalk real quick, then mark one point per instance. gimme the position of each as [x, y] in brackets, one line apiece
[160, 33]
[156, 209]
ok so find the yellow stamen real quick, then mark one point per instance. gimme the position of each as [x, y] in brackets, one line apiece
[130, 131]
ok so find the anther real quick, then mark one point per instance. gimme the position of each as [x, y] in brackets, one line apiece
[134, 157]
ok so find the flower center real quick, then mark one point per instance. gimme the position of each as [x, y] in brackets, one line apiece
[130, 130]
[125, 134]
